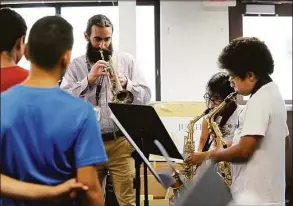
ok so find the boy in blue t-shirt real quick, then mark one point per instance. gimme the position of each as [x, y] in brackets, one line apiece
[47, 135]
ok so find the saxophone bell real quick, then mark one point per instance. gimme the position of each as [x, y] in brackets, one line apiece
[178, 183]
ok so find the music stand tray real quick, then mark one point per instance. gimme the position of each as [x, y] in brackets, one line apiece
[141, 125]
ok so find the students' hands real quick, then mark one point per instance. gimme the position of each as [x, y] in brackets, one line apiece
[67, 190]
[229, 143]
[197, 158]
[97, 70]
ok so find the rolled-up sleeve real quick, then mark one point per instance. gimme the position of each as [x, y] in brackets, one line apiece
[137, 84]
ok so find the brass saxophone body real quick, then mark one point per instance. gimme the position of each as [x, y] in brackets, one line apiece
[188, 172]
[224, 168]
[188, 147]
[120, 95]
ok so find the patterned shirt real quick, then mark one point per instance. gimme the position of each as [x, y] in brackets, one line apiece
[75, 82]
[230, 126]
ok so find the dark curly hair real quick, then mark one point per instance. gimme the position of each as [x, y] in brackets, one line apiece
[247, 54]
[99, 20]
[219, 85]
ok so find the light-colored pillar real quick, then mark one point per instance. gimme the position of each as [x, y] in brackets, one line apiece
[127, 26]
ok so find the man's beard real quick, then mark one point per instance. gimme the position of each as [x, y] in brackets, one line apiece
[93, 54]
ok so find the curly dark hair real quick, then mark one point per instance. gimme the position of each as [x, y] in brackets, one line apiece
[247, 54]
[99, 20]
[219, 85]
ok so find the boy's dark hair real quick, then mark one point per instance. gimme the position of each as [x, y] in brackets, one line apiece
[247, 54]
[50, 37]
[13, 27]
[219, 85]
[99, 20]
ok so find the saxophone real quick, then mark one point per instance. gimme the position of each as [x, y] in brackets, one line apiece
[224, 168]
[120, 95]
[187, 172]
[188, 147]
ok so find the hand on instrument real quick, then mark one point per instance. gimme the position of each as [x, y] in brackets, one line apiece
[97, 70]
[197, 158]
[67, 190]
[123, 81]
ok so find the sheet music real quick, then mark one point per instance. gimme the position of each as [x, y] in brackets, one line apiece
[177, 129]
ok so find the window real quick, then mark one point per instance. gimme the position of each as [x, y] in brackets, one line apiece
[276, 32]
[31, 15]
[145, 45]
[78, 17]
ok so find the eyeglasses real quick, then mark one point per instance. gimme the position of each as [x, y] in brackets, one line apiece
[215, 99]
[232, 78]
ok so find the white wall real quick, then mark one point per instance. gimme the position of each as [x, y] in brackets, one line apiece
[192, 36]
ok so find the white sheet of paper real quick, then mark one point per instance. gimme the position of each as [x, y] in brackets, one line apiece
[177, 129]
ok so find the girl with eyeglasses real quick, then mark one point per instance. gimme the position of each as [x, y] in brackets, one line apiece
[217, 89]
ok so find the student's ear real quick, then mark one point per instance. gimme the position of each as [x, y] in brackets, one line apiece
[26, 54]
[66, 59]
[19, 48]
[19, 44]
[251, 76]
[86, 36]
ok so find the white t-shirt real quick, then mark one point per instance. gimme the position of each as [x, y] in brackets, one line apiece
[263, 176]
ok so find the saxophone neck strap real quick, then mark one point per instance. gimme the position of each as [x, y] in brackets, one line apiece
[227, 113]
[261, 82]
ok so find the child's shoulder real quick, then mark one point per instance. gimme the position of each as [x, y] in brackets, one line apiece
[75, 102]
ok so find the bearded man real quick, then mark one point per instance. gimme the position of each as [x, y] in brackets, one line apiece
[86, 78]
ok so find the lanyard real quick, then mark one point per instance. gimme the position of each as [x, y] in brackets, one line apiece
[100, 83]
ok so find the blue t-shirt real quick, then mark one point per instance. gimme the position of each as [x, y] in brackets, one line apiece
[46, 134]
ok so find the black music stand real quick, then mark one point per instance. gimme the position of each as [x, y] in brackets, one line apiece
[141, 125]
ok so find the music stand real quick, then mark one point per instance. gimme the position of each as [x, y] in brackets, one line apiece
[141, 125]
